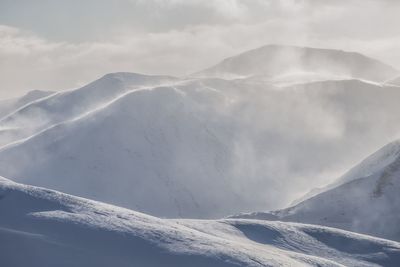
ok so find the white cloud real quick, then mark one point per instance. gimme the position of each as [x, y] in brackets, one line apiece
[179, 37]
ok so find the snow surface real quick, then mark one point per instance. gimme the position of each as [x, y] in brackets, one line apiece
[366, 199]
[49, 228]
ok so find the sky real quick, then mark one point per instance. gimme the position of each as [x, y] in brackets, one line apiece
[56, 45]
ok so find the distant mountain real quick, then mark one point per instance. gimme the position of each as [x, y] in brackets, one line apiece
[365, 200]
[41, 227]
[285, 64]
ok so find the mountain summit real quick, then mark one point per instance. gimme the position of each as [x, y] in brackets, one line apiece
[276, 61]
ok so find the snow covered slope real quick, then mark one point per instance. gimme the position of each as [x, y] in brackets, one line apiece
[365, 200]
[40, 228]
[66, 105]
[287, 63]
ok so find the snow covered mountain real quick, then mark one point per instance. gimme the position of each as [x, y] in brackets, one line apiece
[48, 228]
[366, 199]
[284, 63]
[194, 147]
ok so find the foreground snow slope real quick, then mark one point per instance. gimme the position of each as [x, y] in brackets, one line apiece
[366, 199]
[280, 63]
[40, 227]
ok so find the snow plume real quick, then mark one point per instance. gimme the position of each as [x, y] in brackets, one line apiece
[289, 141]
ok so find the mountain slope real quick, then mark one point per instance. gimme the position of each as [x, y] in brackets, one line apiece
[375, 163]
[273, 62]
[66, 105]
[366, 199]
[54, 229]
[137, 151]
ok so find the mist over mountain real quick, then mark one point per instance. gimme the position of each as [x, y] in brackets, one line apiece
[366, 199]
[10, 105]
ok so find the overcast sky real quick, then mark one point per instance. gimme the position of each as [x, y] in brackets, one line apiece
[54, 44]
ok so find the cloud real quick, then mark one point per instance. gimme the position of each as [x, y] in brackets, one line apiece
[66, 45]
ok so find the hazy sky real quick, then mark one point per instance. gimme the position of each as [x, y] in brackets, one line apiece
[54, 44]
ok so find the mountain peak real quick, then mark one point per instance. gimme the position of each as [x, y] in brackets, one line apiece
[132, 77]
[271, 61]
